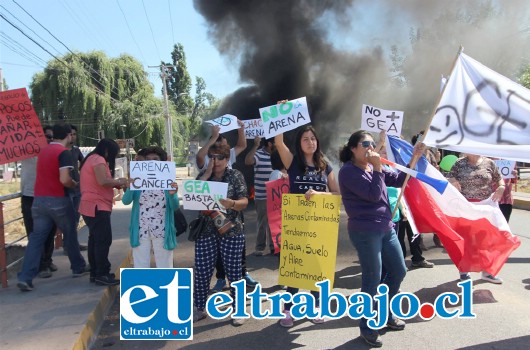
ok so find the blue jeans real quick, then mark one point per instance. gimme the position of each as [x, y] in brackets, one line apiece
[375, 249]
[47, 211]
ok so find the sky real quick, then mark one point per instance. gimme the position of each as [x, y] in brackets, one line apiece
[146, 29]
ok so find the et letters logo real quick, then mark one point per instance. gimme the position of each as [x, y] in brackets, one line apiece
[156, 304]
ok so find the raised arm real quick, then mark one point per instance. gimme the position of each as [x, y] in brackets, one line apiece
[249, 158]
[241, 139]
[283, 150]
[201, 155]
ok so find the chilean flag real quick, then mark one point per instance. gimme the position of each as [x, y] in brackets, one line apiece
[475, 235]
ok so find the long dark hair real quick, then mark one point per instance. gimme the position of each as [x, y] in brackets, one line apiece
[345, 154]
[108, 149]
[318, 156]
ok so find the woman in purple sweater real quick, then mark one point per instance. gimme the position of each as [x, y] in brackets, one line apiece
[363, 185]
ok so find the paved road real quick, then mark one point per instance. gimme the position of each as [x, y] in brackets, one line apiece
[503, 311]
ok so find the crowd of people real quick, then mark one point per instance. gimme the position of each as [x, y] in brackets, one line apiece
[60, 185]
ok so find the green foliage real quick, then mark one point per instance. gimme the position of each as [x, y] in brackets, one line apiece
[524, 79]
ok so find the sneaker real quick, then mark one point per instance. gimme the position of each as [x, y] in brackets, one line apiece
[198, 315]
[318, 320]
[258, 253]
[53, 267]
[373, 339]
[396, 324]
[93, 278]
[46, 273]
[25, 286]
[465, 276]
[287, 321]
[219, 286]
[422, 264]
[236, 322]
[491, 278]
[106, 280]
[250, 281]
[81, 272]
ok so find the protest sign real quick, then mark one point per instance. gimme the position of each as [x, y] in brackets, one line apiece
[310, 230]
[506, 167]
[253, 128]
[376, 119]
[275, 189]
[203, 195]
[21, 134]
[283, 117]
[226, 122]
[152, 175]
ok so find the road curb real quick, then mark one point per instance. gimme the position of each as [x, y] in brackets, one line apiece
[88, 334]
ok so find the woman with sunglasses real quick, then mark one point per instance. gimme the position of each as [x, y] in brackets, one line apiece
[225, 238]
[309, 174]
[363, 186]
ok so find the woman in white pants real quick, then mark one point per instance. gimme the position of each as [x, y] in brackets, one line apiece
[152, 220]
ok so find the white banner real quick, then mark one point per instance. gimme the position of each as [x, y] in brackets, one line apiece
[152, 175]
[227, 123]
[377, 119]
[203, 195]
[283, 117]
[253, 128]
[506, 167]
[482, 112]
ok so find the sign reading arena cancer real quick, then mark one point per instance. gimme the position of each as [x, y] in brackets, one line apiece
[310, 230]
[203, 195]
[21, 134]
[152, 175]
[283, 117]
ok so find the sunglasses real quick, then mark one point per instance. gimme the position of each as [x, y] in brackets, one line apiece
[366, 144]
[217, 156]
[49, 137]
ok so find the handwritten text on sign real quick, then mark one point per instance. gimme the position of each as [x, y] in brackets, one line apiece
[253, 128]
[310, 230]
[203, 195]
[376, 119]
[21, 134]
[226, 122]
[506, 167]
[152, 175]
[283, 117]
[275, 190]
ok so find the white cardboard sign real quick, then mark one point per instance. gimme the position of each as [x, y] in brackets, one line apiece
[283, 117]
[152, 175]
[506, 167]
[227, 123]
[203, 195]
[377, 119]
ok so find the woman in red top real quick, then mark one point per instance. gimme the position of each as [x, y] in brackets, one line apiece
[97, 183]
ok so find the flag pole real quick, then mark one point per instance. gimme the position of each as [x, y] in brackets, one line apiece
[415, 158]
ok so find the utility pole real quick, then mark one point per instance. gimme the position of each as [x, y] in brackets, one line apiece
[169, 122]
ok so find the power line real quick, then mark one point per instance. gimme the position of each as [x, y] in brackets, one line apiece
[171, 21]
[151, 29]
[130, 31]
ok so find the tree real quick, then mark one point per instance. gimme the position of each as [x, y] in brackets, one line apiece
[524, 79]
[95, 92]
[179, 80]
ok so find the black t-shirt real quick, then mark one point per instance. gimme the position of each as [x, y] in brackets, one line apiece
[301, 181]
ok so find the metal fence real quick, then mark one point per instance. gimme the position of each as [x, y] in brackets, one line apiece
[3, 245]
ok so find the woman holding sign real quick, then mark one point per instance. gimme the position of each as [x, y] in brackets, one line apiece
[97, 194]
[152, 220]
[309, 174]
[363, 186]
[224, 235]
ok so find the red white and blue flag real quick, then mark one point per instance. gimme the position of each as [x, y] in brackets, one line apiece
[475, 235]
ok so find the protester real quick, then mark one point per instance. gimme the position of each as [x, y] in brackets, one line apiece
[152, 220]
[51, 204]
[260, 156]
[309, 174]
[226, 241]
[476, 177]
[363, 183]
[202, 163]
[97, 194]
[75, 193]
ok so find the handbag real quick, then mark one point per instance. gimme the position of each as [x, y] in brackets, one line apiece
[197, 227]
[181, 224]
